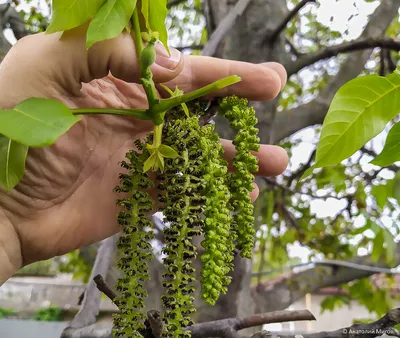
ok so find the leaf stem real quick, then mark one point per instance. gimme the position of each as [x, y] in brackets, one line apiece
[157, 135]
[138, 113]
[137, 32]
[167, 104]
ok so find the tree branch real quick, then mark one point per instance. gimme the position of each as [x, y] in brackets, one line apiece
[103, 287]
[91, 302]
[228, 328]
[371, 330]
[314, 112]
[224, 27]
[390, 61]
[271, 38]
[284, 290]
[346, 47]
[219, 328]
[181, 48]
[351, 265]
[172, 3]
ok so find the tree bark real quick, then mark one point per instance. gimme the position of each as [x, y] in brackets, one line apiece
[246, 42]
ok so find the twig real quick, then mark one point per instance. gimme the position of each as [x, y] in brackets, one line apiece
[274, 317]
[219, 327]
[302, 169]
[346, 47]
[390, 61]
[228, 327]
[371, 330]
[103, 287]
[382, 62]
[343, 264]
[224, 27]
[172, 3]
[181, 48]
[91, 302]
[293, 49]
[293, 192]
[271, 38]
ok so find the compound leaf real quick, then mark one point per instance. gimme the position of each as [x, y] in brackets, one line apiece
[157, 15]
[391, 151]
[167, 151]
[69, 14]
[12, 162]
[36, 122]
[111, 19]
[359, 111]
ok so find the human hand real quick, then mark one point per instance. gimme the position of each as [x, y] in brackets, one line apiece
[66, 199]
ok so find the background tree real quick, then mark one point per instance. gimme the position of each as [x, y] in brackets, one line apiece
[343, 219]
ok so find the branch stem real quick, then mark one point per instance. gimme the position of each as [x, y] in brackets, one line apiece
[137, 33]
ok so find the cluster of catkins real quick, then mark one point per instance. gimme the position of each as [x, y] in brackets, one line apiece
[198, 196]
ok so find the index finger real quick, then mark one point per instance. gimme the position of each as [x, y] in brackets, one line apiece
[259, 81]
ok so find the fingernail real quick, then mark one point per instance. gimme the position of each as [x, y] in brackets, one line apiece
[167, 61]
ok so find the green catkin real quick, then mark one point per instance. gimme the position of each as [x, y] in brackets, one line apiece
[242, 119]
[133, 245]
[218, 243]
[182, 186]
[198, 197]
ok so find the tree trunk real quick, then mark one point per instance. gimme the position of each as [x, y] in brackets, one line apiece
[248, 41]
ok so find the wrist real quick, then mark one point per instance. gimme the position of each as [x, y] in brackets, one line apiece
[10, 249]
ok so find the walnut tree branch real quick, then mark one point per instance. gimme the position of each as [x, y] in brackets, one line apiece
[350, 265]
[103, 287]
[224, 27]
[172, 3]
[271, 38]
[91, 303]
[370, 330]
[216, 328]
[219, 328]
[346, 47]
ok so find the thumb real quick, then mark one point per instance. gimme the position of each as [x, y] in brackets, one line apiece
[63, 64]
[119, 57]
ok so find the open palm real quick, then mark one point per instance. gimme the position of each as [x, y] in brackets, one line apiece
[65, 200]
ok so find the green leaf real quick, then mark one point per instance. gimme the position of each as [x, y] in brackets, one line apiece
[110, 20]
[157, 15]
[359, 111]
[391, 151]
[382, 193]
[167, 151]
[396, 187]
[36, 122]
[150, 162]
[145, 12]
[390, 245]
[378, 246]
[12, 162]
[176, 93]
[160, 161]
[69, 14]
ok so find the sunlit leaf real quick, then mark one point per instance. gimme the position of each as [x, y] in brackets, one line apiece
[12, 162]
[68, 14]
[390, 245]
[150, 162]
[378, 248]
[382, 193]
[391, 151]
[36, 122]
[111, 19]
[158, 14]
[145, 12]
[167, 151]
[359, 111]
